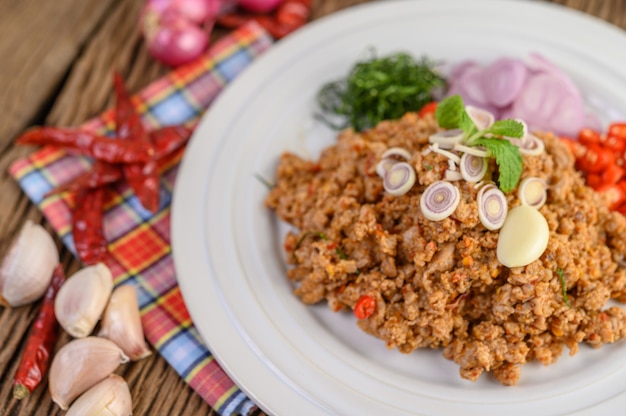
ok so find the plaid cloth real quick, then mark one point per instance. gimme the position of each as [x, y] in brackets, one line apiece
[139, 242]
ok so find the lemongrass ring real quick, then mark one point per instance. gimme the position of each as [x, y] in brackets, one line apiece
[384, 165]
[492, 207]
[473, 168]
[452, 156]
[452, 175]
[396, 152]
[482, 119]
[532, 192]
[439, 200]
[472, 150]
[399, 179]
[531, 145]
[447, 139]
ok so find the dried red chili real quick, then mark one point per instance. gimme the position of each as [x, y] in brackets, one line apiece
[87, 221]
[40, 343]
[99, 147]
[101, 174]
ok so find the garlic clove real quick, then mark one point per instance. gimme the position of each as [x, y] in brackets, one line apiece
[111, 397]
[79, 365]
[82, 299]
[121, 323]
[27, 268]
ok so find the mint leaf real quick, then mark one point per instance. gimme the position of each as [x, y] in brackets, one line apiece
[508, 159]
[467, 125]
[509, 128]
[448, 112]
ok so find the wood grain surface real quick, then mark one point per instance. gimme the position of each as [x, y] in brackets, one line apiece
[56, 60]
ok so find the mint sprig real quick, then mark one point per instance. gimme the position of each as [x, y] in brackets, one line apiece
[451, 114]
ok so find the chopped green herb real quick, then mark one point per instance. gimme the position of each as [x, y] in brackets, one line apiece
[309, 233]
[428, 167]
[341, 254]
[264, 181]
[379, 89]
[451, 114]
[559, 271]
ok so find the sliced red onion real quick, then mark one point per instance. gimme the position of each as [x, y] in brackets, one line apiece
[531, 145]
[533, 192]
[473, 168]
[482, 119]
[492, 207]
[503, 80]
[397, 152]
[452, 156]
[439, 200]
[447, 139]
[384, 165]
[399, 179]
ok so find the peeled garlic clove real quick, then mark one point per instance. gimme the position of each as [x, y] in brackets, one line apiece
[26, 270]
[82, 299]
[111, 397]
[79, 365]
[121, 323]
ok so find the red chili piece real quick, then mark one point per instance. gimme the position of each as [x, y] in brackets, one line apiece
[169, 139]
[99, 147]
[101, 174]
[43, 336]
[87, 226]
[364, 307]
[428, 109]
[617, 130]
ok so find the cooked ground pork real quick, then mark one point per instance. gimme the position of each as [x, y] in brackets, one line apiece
[440, 284]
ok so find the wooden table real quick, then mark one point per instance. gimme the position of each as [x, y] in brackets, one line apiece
[56, 59]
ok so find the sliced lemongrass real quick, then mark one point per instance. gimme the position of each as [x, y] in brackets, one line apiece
[472, 150]
[532, 192]
[399, 179]
[397, 152]
[452, 175]
[439, 200]
[492, 207]
[482, 119]
[452, 156]
[531, 145]
[384, 165]
[452, 165]
[447, 139]
[473, 168]
[523, 238]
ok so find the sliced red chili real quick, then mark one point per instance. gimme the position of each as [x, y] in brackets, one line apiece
[613, 194]
[40, 343]
[594, 180]
[364, 307]
[595, 159]
[612, 174]
[87, 226]
[615, 144]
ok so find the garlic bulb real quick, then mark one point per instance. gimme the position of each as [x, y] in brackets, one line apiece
[121, 323]
[79, 365]
[82, 299]
[111, 397]
[26, 270]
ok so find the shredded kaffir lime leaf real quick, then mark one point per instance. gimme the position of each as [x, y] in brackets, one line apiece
[379, 89]
[559, 271]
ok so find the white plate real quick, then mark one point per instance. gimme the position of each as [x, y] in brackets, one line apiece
[298, 360]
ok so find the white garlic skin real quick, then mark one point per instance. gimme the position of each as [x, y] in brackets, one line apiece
[121, 323]
[81, 300]
[27, 268]
[111, 397]
[79, 365]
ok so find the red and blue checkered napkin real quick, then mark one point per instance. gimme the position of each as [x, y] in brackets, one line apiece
[139, 242]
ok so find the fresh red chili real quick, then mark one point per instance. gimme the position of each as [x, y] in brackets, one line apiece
[595, 159]
[87, 226]
[99, 147]
[40, 343]
[589, 136]
[612, 174]
[364, 307]
[613, 194]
